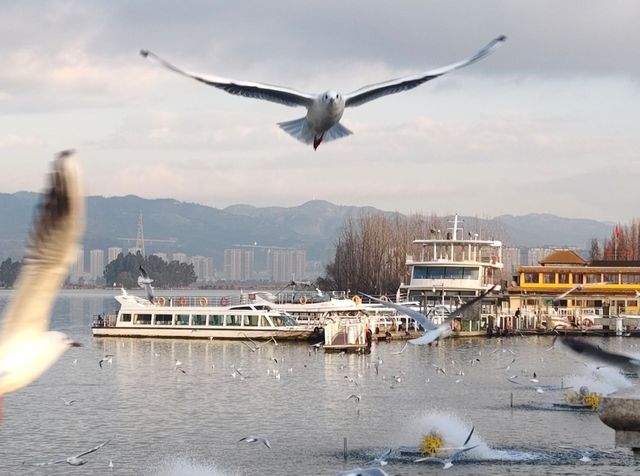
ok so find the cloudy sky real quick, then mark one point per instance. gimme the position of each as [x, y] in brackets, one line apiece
[549, 123]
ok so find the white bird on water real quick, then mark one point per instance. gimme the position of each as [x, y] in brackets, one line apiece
[585, 456]
[324, 110]
[27, 347]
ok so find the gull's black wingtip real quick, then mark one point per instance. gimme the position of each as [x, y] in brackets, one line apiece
[502, 38]
[144, 53]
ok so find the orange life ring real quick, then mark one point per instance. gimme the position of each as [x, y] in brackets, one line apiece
[303, 300]
[203, 301]
[224, 301]
[182, 301]
[587, 323]
[357, 300]
[384, 298]
[160, 301]
[455, 325]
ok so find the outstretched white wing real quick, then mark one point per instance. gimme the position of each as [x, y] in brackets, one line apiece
[267, 92]
[58, 225]
[95, 448]
[375, 91]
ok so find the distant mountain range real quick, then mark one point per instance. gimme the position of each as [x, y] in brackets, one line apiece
[207, 231]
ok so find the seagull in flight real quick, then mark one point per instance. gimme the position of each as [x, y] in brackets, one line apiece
[144, 281]
[27, 347]
[623, 362]
[107, 358]
[256, 439]
[324, 110]
[67, 403]
[74, 460]
[433, 331]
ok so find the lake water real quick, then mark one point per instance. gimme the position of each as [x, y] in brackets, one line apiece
[162, 422]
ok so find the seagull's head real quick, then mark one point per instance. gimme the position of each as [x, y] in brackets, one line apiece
[333, 99]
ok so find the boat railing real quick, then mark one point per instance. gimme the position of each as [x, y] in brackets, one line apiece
[102, 320]
[201, 301]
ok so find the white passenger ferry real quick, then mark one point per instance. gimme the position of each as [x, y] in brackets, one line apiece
[194, 317]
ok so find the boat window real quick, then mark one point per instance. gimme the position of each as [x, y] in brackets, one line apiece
[233, 320]
[164, 319]
[277, 321]
[182, 320]
[250, 321]
[216, 320]
[125, 317]
[199, 320]
[142, 319]
[449, 272]
[549, 278]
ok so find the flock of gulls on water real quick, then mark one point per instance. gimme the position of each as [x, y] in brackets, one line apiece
[28, 348]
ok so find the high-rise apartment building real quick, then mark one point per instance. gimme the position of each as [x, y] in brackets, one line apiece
[96, 264]
[112, 253]
[239, 264]
[287, 264]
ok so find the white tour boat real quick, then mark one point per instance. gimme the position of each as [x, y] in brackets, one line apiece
[194, 317]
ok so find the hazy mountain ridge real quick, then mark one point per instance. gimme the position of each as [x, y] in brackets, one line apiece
[203, 230]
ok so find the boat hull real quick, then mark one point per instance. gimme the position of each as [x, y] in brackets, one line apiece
[282, 333]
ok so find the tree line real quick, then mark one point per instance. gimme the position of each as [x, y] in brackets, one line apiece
[623, 244]
[371, 250]
[124, 271]
[9, 270]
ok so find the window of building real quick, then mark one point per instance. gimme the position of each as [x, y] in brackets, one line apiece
[216, 320]
[549, 278]
[578, 278]
[610, 278]
[199, 319]
[531, 278]
[125, 318]
[632, 303]
[594, 278]
[182, 320]
[563, 278]
[142, 319]
[163, 319]
[630, 278]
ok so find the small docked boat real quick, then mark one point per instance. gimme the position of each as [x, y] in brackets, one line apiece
[194, 317]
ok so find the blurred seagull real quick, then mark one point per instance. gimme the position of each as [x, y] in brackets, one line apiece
[433, 331]
[256, 439]
[357, 398]
[27, 347]
[107, 358]
[67, 403]
[382, 459]
[144, 281]
[324, 110]
[75, 460]
[585, 456]
[623, 362]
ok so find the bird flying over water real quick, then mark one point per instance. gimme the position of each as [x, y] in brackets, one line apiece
[144, 281]
[433, 331]
[74, 460]
[27, 347]
[256, 439]
[324, 110]
[623, 362]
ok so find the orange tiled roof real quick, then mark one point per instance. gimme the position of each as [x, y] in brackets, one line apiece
[563, 257]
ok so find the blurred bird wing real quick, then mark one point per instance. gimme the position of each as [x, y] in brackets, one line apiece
[462, 450]
[56, 230]
[95, 448]
[267, 92]
[429, 458]
[595, 352]
[457, 312]
[420, 318]
[375, 91]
